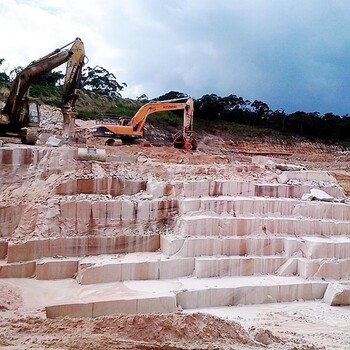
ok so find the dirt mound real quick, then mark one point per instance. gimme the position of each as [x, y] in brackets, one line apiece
[174, 331]
[10, 298]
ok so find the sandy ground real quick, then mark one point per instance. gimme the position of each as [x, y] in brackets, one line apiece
[292, 326]
[277, 326]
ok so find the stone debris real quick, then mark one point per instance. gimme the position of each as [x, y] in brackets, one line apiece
[337, 294]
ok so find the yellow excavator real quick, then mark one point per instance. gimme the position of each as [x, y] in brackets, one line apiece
[21, 117]
[128, 130]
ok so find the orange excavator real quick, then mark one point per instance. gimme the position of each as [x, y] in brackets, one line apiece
[129, 130]
[21, 117]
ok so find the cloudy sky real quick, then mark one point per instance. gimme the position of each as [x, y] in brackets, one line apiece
[291, 54]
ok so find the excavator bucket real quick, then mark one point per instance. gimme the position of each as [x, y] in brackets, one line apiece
[92, 153]
[181, 143]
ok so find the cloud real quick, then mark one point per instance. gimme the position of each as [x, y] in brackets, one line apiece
[291, 54]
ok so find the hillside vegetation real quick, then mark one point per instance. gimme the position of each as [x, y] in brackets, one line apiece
[230, 117]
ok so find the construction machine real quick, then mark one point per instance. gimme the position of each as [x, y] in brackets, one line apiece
[21, 117]
[129, 130]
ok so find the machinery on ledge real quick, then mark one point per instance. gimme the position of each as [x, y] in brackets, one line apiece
[21, 117]
[129, 130]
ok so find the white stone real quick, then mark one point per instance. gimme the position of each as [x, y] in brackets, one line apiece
[337, 294]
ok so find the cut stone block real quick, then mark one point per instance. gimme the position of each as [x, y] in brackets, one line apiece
[208, 225]
[249, 294]
[321, 247]
[81, 246]
[112, 307]
[337, 294]
[289, 268]
[161, 304]
[56, 269]
[3, 249]
[257, 246]
[76, 310]
[237, 266]
[191, 246]
[325, 269]
[18, 270]
[304, 176]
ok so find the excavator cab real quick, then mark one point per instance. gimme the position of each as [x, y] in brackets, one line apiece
[33, 113]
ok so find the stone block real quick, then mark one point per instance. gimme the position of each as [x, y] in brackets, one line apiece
[337, 294]
[194, 246]
[155, 189]
[56, 269]
[237, 266]
[289, 268]
[305, 176]
[104, 273]
[170, 245]
[99, 213]
[75, 310]
[3, 249]
[145, 270]
[128, 211]
[196, 188]
[178, 267]
[113, 212]
[194, 299]
[160, 304]
[111, 307]
[68, 211]
[317, 247]
[188, 205]
[81, 246]
[18, 270]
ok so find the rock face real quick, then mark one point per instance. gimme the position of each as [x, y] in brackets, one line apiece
[165, 242]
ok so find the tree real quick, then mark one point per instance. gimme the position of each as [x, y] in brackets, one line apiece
[171, 95]
[50, 79]
[100, 81]
[143, 98]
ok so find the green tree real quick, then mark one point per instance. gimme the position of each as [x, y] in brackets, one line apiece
[143, 98]
[100, 81]
[171, 95]
[50, 79]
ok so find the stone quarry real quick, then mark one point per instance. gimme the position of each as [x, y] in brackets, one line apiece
[159, 232]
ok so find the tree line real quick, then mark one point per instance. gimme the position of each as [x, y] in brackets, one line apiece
[328, 127]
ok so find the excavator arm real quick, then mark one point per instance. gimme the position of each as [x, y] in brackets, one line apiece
[72, 83]
[134, 128]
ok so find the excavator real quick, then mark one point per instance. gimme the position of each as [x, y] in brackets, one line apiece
[21, 117]
[130, 130]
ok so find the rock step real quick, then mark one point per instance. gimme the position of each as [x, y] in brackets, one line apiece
[324, 269]
[140, 305]
[239, 246]
[226, 225]
[261, 206]
[135, 266]
[166, 296]
[80, 246]
[213, 292]
[205, 188]
[337, 247]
